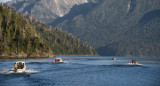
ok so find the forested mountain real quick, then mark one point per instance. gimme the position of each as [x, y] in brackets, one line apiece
[23, 36]
[117, 28]
[61, 43]
[114, 28]
[18, 38]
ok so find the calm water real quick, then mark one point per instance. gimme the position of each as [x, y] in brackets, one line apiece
[83, 71]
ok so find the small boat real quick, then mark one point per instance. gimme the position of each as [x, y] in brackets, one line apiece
[59, 60]
[113, 58]
[19, 67]
[134, 62]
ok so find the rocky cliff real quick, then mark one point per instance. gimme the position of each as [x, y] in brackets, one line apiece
[45, 10]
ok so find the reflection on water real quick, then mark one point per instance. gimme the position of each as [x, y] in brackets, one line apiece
[83, 71]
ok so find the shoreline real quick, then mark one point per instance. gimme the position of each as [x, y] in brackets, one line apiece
[24, 57]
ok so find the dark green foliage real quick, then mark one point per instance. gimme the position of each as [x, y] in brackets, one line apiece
[18, 36]
[60, 42]
[24, 34]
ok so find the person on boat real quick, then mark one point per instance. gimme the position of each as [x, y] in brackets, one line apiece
[132, 61]
[135, 61]
[15, 66]
[56, 60]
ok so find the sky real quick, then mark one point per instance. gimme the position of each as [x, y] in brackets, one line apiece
[4, 0]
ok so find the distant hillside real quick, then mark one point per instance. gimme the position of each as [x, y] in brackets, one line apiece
[61, 43]
[117, 28]
[23, 36]
[114, 28]
[18, 38]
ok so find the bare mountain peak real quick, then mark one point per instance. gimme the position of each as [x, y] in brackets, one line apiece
[46, 9]
[61, 7]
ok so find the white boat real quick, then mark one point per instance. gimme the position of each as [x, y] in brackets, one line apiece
[19, 67]
[134, 63]
[59, 60]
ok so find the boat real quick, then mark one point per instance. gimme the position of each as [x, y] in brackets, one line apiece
[134, 62]
[19, 67]
[113, 58]
[59, 60]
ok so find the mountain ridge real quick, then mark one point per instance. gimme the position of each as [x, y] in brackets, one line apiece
[51, 9]
[115, 28]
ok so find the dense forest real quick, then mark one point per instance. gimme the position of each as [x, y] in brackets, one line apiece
[61, 43]
[18, 38]
[116, 28]
[23, 36]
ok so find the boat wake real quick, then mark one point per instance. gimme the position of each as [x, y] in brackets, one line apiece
[134, 64]
[6, 72]
[29, 71]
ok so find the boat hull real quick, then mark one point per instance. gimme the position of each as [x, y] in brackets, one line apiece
[134, 64]
[20, 71]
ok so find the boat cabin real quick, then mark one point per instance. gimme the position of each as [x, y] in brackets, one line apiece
[19, 66]
[58, 60]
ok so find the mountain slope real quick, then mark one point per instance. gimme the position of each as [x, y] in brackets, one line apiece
[61, 43]
[45, 10]
[24, 36]
[123, 28]
[18, 38]
[115, 28]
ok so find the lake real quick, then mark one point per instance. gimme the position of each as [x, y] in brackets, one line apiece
[83, 71]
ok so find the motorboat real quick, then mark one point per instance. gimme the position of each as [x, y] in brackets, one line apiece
[134, 62]
[59, 60]
[19, 67]
[113, 58]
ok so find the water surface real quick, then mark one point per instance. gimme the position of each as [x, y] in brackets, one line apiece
[84, 71]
